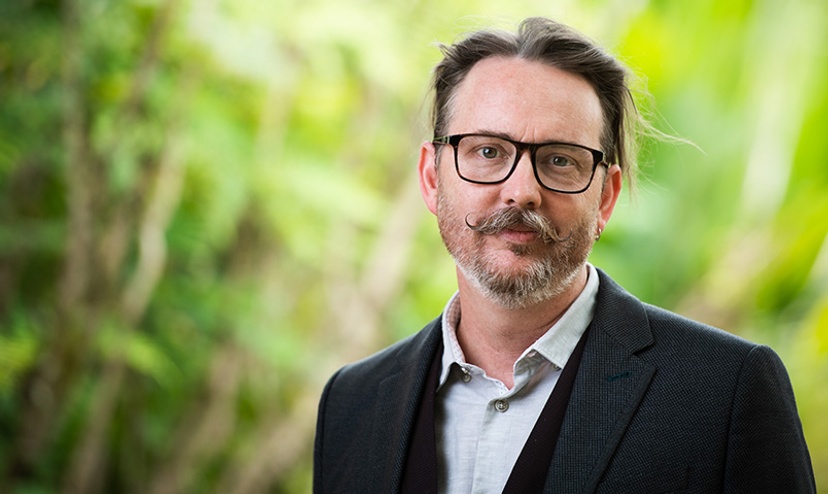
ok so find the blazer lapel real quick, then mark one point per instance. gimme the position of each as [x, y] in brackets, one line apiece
[610, 384]
[396, 404]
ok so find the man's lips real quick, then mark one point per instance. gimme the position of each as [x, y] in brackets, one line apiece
[519, 227]
[519, 234]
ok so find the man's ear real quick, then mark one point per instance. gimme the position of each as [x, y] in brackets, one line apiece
[427, 170]
[609, 194]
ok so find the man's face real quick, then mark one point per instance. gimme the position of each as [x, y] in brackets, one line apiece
[529, 102]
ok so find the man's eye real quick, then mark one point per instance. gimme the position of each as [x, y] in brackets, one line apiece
[561, 161]
[489, 152]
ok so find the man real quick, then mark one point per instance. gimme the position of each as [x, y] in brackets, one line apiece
[542, 374]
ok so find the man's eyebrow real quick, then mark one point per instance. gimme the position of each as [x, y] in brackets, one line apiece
[493, 133]
[503, 135]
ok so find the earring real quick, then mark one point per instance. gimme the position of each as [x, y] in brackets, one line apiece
[598, 235]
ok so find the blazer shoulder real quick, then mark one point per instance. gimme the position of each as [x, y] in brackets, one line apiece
[637, 325]
[679, 340]
[686, 330]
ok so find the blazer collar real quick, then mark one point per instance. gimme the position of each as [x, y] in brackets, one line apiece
[621, 316]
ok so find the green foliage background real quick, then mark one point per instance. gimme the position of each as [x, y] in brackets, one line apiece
[207, 206]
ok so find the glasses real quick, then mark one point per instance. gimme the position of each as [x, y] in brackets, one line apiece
[486, 159]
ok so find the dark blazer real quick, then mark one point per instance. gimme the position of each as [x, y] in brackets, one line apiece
[660, 404]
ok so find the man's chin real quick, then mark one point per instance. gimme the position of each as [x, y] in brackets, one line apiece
[524, 250]
[521, 282]
[516, 261]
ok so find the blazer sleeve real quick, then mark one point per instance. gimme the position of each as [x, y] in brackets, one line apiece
[766, 447]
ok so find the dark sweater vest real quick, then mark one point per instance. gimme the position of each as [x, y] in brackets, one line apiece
[532, 466]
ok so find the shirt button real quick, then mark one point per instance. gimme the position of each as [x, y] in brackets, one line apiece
[501, 405]
[466, 376]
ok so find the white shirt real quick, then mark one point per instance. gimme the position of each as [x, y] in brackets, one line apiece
[481, 425]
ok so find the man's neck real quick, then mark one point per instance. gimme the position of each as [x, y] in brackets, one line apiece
[493, 337]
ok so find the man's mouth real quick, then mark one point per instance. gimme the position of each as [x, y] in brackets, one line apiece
[518, 234]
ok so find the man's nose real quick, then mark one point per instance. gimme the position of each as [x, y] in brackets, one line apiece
[522, 189]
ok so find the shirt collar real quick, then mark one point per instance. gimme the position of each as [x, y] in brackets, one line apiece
[555, 345]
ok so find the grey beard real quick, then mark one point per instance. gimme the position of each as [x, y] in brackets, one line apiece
[556, 267]
[542, 281]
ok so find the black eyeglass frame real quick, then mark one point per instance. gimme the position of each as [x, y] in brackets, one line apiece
[454, 140]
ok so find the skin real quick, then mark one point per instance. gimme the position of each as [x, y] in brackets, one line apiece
[530, 102]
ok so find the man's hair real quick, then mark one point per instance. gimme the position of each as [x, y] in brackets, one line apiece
[555, 44]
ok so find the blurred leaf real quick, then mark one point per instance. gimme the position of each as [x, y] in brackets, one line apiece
[18, 351]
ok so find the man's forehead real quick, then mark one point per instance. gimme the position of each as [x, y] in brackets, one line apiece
[526, 100]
